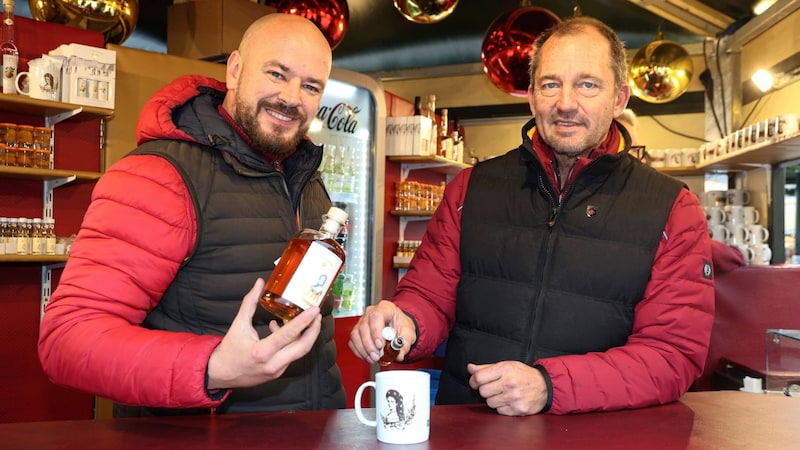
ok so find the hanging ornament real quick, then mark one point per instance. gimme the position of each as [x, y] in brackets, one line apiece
[660, 71]
[507, 45]
[115, 19]
[330, 16]
[425, 11]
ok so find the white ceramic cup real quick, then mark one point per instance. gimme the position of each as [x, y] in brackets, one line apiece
[402, 406]
[43, 79]
[715, 198]
[656, 157]
[739, 235]
[751, 215]
[673, 157]
[762, 255]
[747, 253]
[758, 234]
[736, 215]
[738, 197]
[715, 215]
[719, 232]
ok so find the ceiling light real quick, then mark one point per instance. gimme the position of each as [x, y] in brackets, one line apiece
[762, 6]
[763, 80]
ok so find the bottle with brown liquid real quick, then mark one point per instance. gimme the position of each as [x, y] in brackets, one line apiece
[305, 272]
[392, 347]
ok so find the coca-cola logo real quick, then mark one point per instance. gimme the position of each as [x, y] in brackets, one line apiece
[341, 117]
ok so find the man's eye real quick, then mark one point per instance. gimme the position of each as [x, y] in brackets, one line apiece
[549, 86]
[588, 85]
[275, 74]
[312, 88]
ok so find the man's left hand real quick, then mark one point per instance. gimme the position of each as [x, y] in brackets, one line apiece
[510, 387]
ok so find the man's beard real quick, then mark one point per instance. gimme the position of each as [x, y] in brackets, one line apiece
[267, 142]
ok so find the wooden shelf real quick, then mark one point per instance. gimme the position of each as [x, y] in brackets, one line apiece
[414, 213]
[434, 163]
[19, 104]
[26, 173]
[39, 259]
[771, 152]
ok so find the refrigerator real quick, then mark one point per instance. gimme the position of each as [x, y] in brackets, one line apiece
[350, 124]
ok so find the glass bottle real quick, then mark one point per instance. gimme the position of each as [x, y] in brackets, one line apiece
[11, 236]
[392, 347]
[49, 236]
[37, 237]
[3, 234]
[8, 48]
[305, 272]
[22, 236]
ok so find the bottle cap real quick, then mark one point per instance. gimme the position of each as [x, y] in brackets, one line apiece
[388, 333]
[337, 215]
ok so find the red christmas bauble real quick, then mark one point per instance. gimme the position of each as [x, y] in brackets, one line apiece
[507, 45]
[330, 16]
[425, 11]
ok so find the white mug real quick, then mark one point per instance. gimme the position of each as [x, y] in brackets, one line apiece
[715, 215]
[751, 215]
[739, 235]
[738, 197]
[402, 406]
[656, 157]
[719, 232]
[43, 79]
[758, 234]
[762, 255]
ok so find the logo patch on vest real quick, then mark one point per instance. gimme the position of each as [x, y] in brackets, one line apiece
[591, 210]
[707, 270]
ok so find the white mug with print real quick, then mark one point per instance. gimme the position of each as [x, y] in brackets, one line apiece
[402, 406]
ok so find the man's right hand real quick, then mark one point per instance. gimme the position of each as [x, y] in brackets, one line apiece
[366, 341]
[244, 360]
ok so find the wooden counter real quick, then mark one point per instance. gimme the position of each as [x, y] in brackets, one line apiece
[701, 420]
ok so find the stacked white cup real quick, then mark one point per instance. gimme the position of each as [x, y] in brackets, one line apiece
[731, 219]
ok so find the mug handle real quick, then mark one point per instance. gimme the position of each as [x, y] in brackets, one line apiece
[19, 89]
[359, 414]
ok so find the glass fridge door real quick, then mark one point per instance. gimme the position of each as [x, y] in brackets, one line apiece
[347, 125]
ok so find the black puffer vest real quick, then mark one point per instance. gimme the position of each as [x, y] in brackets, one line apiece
[542, 279]
[245, 218]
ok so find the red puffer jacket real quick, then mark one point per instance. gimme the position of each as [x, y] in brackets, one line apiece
[664, 354]
[116, 274]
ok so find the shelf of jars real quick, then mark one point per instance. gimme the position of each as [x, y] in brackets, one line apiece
[435, 163]
[412, 213]
[28, 173]
[54, 112]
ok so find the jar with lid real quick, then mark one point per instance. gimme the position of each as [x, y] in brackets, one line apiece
[8, 156]
[41, 159]
[8, 134]
[41, 138]
[25, 136]
[24, 157]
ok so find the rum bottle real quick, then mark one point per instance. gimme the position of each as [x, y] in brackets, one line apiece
[8, 48]
[305, 272]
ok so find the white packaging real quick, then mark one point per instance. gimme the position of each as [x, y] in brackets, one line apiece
[89, 75]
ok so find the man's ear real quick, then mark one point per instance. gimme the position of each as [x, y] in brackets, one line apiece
[233, 70]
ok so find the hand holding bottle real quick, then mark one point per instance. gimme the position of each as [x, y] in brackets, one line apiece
[366, 339]
[244, 360]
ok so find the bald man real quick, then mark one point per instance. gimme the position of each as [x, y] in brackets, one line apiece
[157, 308]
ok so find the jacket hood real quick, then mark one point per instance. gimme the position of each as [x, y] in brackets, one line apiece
[157, 121]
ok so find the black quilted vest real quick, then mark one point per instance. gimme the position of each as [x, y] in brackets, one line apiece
[245, 218]
[541, 279]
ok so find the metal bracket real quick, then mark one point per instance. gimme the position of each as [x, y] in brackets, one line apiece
[46, 286]
[47, 197]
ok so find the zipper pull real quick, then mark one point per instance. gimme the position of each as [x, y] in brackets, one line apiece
[552, 220]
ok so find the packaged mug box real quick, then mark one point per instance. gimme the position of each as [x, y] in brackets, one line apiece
[88, 75]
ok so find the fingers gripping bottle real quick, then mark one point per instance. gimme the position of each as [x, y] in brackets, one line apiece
[305, 272]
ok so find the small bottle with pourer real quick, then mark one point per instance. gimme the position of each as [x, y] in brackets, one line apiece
[392, 346]
[8, 49]
[305, 272]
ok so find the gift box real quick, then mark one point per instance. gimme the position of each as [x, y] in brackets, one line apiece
[88, 75]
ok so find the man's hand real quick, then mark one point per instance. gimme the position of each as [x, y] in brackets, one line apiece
[242, 360]
[510, 387]
[365, 338]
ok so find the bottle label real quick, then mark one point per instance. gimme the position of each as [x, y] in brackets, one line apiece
[314, 275]
[10, 74]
